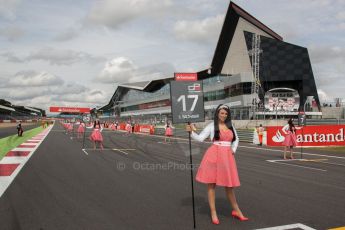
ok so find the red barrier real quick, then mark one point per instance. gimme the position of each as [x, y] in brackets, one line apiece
[309, 136]
[145, 129]
[122, 126]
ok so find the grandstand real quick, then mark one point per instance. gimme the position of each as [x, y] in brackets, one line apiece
[10, 112]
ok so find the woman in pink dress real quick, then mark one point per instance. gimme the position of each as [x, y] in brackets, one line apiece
[81, 130]
[218, 166]
[168, 131]
[290, 138]
[96, 135]
[128, 128]
[70, 128]
[112, 126]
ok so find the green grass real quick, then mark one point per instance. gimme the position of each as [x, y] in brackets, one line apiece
[8, 143]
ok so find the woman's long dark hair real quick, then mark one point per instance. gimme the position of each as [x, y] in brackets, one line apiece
[291, 125]
[227, 122]
[96, 123]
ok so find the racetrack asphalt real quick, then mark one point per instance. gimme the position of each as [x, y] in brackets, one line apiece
[140, 182]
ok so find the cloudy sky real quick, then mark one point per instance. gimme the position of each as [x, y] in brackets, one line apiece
[74, 53]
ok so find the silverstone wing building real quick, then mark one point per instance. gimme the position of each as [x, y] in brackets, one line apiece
[253, 70]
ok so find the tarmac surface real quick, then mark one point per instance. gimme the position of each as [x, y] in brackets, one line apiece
[141, 182]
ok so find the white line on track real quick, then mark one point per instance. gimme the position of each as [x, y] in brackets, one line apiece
[290, 226]
[121, 151]
[280, 162]
[85, 151]
[278, 150]
[166, 143]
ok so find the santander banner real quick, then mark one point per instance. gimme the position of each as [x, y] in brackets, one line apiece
[69, 110]
[186, 76]
[309, 136]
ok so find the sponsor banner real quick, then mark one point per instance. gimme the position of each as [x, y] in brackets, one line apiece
[156, 104]
[309, 136]
[186, 76]
[69, 110]
[146, 129]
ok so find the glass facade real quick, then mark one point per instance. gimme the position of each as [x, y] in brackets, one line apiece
[137, 95]
[131, 95]
[243, 88]
[149, 105]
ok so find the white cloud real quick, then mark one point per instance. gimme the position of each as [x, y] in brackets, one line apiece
[11, 57]
[152, 33]
[62, 56]
[8, 9]
[89, 96]
[320, 54]
[113, 14]
[199, 30]
[340, 16]
[12, 33]
[119, 69]
[45, 89]
[32, 78]
[123, 70]
[323, 96]
[67, 35]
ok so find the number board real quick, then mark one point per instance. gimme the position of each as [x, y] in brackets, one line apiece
[187, 101]
[302, 120]
[86, 118]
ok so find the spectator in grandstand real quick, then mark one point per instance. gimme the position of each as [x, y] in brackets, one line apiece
[290, 138]
[218, 166]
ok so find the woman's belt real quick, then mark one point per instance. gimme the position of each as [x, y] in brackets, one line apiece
[222, 143]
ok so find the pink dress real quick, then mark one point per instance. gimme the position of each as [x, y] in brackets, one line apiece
[290, 139]
[129, 128]
[96, 134]
[218, 165]
[81, 128]
[168, 131]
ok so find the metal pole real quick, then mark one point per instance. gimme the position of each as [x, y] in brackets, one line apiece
[303, 129]
[191, 173]
[84, 136]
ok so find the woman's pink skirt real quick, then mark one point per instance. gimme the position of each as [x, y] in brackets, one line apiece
[81, 129]
[96, 135]
[290, 140]
[168, 132]
[218, 166]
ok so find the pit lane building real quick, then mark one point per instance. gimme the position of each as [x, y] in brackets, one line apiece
[253, 70]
